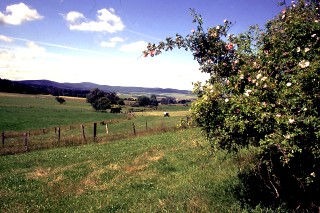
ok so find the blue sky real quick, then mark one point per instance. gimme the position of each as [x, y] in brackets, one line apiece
[101, 41]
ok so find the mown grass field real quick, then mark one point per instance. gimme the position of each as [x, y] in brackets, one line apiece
[153, 171]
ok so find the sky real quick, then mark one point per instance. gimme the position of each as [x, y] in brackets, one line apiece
[101, 41]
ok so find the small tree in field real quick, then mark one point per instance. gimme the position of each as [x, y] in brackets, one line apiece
[101, 104]
[101, 100]
[263, 92]
[60, 100]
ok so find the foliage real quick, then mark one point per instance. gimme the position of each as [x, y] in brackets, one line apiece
[60, 100]
[146, 101]
[101, 104]
[101, 100]
[263, 91]
[168, 100]
[143, 101]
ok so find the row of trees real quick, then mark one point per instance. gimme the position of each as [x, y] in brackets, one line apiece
[101, 100]
[263, 92]
[152, 101]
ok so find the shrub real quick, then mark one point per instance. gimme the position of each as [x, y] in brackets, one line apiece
[60, 100]
[263, 92]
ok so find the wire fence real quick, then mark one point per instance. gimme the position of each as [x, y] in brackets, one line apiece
[75, 135]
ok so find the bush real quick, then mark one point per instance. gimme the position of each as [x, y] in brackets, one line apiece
[60, 100]
[263, 92]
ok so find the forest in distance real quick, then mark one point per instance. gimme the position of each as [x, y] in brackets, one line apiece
[47, 87]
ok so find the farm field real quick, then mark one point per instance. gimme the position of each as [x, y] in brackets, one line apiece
[29, 112]
[41, 117]
[159, 169]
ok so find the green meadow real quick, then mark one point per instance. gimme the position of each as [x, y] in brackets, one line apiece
[161, 168]
[28, 112]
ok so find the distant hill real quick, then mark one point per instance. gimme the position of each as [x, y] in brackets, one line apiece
[106, 88]
[45, 88]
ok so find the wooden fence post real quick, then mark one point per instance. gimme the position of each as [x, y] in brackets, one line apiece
[3, 137]
[55, 130]
[83, 135]
[58, 133]
[107, 129]
[25, 138]
[146, 124]
[134, 129]
[94, 131]
[43, 130]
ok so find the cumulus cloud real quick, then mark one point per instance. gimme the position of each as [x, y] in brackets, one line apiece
[107, 21]
[138, 46]
[74, 17]
[112, 42]
[16, 14]
[5, 38]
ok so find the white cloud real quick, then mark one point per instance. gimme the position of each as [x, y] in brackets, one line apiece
[138, 46]
[34, 48]
[6, 56]
[106, 21]
[5, 38]
[74, 16]
[16, 14]
[32, 61]
[112, 42]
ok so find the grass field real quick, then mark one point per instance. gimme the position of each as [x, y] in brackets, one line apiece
[160, 169]
[166, 172]
[25, 112]
[39, 116]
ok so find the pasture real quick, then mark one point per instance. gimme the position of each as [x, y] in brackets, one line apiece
[39, 121]
[30, 112]
[158, 169]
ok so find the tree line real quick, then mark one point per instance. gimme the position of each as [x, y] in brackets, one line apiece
[16, 87]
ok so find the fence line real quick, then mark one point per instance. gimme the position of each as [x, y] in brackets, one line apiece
[12, 144]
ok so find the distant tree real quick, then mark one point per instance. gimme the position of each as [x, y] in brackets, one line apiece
[183, 101]
[112, 96]
[121, 102]
[101, 100]
[153, 97]
[102, 104]
[143, 101]
[168, 100]
[60, 100]
[153, 100]
[94, 95]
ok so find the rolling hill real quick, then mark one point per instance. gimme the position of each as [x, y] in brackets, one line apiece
[107, 88]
